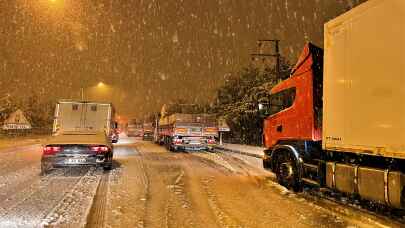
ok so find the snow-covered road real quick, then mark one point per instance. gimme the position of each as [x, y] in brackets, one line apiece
[151, 187]
[29, 200]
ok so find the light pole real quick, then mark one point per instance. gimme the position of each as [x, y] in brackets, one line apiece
[99, 85]
[82, 93]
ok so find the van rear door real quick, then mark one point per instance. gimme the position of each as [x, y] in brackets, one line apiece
[97, 116]
[69, 116]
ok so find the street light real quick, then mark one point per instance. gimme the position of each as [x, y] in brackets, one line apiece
[99, 85]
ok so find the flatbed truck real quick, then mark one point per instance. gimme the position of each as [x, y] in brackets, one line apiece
[188, 132]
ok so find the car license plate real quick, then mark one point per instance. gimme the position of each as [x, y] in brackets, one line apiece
[75, 160]
[194, 142]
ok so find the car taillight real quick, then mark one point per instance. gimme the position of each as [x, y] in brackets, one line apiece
[178, 141]
[211, 141]
[51, 150]
[99, 149]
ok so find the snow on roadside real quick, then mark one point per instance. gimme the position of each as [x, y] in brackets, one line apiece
[252, 161]
[9, 182]
[243, 149]
[6, 143]
[216, 159]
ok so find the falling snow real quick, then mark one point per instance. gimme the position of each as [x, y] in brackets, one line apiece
[52, 49]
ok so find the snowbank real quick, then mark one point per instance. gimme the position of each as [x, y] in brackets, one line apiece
[254, 151]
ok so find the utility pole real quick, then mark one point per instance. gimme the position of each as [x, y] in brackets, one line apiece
[82, 93]
[276, 54]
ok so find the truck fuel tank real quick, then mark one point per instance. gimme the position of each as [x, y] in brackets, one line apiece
[382, 186]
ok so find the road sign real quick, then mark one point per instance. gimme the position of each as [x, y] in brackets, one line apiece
[16, 121]
[222, 125]
[224, 129]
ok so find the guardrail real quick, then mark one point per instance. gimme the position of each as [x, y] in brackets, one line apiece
[25, 132]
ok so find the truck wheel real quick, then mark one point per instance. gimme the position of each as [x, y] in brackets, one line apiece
[287, 171]
[167, 144]
[266, 164]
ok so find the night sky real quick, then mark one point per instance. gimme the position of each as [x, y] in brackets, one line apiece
[147, 52]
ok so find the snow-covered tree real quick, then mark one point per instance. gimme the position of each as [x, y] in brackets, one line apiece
[238, 99]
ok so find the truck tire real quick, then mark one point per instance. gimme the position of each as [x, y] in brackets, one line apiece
[266, 164]
[287, 171]
[170, 147]
[167, 143]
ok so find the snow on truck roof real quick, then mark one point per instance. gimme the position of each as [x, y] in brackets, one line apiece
[353, 13]
[79, 133]
[83, 102]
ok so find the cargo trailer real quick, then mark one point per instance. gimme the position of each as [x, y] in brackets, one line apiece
[339, 121]
[188, 132]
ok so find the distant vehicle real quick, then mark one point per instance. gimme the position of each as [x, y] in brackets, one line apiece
[188, 132]
[337, 122]
[81, 136]
[134, 129]
[147, 131]
[147, 136]
[115, 135]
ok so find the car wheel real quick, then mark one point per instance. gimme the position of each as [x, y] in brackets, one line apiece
[44, 170]
[107, 167]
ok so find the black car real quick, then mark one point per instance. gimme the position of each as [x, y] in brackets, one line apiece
[76, 151]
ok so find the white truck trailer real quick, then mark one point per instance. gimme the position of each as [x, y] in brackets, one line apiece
[343, 126]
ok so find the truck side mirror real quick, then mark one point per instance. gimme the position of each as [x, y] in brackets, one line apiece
[261, 107]
[264, 110]
[115, 125]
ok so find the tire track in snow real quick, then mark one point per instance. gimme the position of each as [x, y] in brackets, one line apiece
[74, 207]
[37, 201]
[222, 217]
[20, 193]
[96, 217]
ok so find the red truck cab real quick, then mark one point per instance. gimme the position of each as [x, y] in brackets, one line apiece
[293, 128]
[296, 103]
